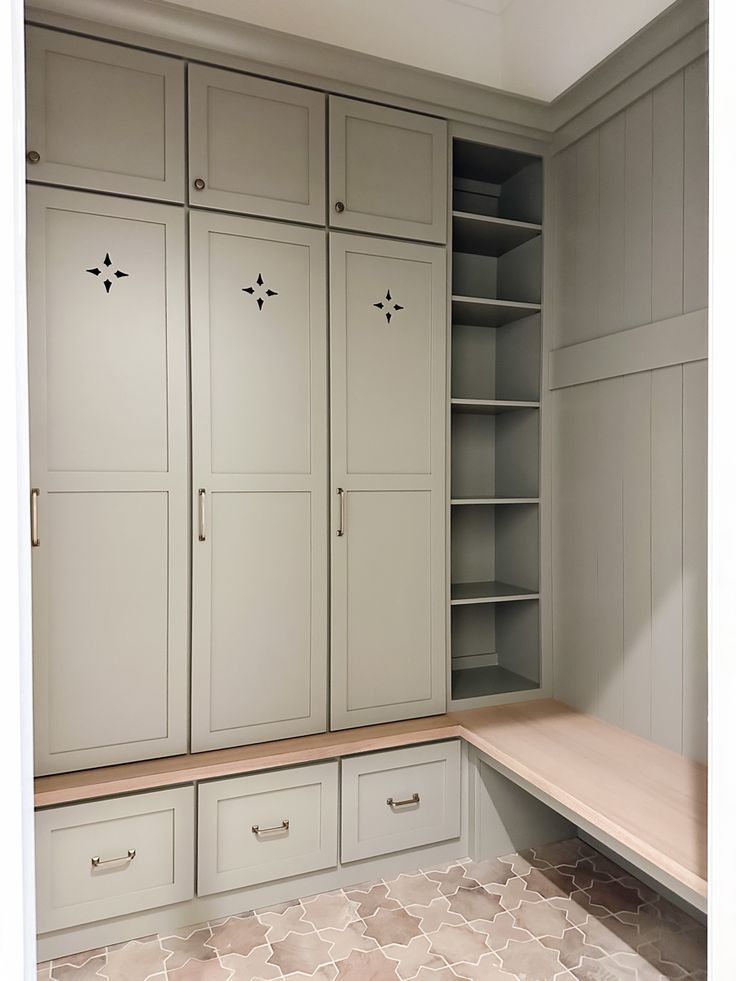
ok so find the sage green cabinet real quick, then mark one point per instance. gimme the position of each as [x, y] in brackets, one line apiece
[388, 171]
[108, 435]
[259, 459]
[104, 117]
[388, 327]
[256, 147]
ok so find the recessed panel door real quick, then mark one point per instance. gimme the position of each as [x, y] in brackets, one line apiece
[388, 171]
[104, 117]
[107, 356]
[256, 147]
[388, 473]
[259, 411]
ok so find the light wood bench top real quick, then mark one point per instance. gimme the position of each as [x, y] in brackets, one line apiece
[650, 801]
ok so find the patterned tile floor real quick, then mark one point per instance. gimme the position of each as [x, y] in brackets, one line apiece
[558, 912]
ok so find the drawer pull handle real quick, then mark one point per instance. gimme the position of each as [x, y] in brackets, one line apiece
[202, 514]
[284, 826]
[414, 799]
[341, 525]
[35, 540]
[97, 861]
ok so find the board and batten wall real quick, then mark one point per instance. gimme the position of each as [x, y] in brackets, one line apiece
[628, 416]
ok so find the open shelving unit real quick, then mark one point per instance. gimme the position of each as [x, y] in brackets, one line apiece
[494, 422]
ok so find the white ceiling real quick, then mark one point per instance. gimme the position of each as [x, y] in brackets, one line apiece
[535, 48]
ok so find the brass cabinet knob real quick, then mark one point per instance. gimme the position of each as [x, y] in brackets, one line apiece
[33, 156]
[339, 207]
[199, 184]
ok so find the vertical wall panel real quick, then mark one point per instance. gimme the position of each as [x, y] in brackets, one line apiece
[573, 548]
[611, 257]
[629, 454]
[667, 203]
[636, 407]
[667, 557]
[586, 294]
[695, 560]
[696, 186]
[566, 199]
[638, 214]
[606, 466]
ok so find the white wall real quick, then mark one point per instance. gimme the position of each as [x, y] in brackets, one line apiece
[629, 489]
[536, 48]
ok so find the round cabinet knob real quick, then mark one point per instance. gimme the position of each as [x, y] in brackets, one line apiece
[199, 184]
[339, 207]
[33, 156]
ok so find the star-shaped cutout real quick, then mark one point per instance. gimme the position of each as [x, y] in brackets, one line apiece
[251, 290]
[107, 272]
[388, 306]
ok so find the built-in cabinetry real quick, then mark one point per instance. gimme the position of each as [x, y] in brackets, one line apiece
[494, 422]
[387, 361]
[259, 471]
[107, 353]
[194, 485]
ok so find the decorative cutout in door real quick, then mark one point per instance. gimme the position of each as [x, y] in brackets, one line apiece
[388, 307]
[263, 295]
[107, 272]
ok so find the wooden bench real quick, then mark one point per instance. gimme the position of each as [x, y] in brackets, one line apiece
[644, 802]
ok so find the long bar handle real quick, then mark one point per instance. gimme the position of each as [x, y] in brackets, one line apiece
[202, 515]
[97, 861]
[35, 540]
[257, 830]
[414, 799]
[341, 525]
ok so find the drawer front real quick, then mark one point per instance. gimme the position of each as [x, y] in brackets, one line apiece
[266, 826]
[112, 857]
[400, 799]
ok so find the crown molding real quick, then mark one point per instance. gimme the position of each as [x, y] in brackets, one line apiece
[672, 40]
[684, 18]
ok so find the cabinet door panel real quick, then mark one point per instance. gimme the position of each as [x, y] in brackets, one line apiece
[388, 168]
[261, 609]
[105, 344]
[107, 366]
[257, 145]
[107, 618]
[259, 436]
[388, 457]
[105, 117]
[389, 565]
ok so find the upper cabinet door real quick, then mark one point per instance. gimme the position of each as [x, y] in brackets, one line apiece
[256, 147]
[104, 117]
[259, 461]
[108, 409]
[388, 326]
[388, 171]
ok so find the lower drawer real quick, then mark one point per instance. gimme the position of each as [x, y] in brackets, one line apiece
[266, 826]
[111, 857]
[400, 799]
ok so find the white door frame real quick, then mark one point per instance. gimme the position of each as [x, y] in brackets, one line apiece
[17, 905]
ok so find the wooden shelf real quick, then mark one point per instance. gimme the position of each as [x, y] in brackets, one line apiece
[490, 679]
[462, 501]
[474, 311]
[490, 407]
[465, 593]
[483, 235]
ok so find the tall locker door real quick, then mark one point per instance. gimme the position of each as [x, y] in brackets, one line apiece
[256, 147]
[259, 410]
[388, 171]
[388, 326]
[107, 362]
